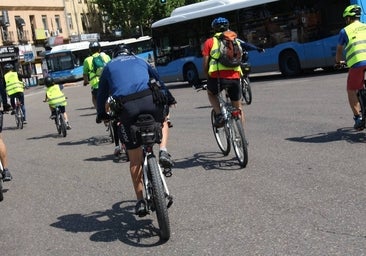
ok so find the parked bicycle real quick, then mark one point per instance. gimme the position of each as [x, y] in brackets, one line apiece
[244, 79]
[19, 114]
[232, 132]
[60, 122]
[147, 131]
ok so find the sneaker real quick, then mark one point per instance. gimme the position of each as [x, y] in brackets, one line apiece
[219, 120]
[140, 208]
[117, 151]
[68, 127]
[165, 159]
[359, 123]
[25, 122]
[53, 117]
[12, 112]
[6, 175]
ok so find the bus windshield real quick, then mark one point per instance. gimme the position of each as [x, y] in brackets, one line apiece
[296, 35]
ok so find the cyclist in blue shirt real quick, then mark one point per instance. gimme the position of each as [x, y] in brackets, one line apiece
[126, 78]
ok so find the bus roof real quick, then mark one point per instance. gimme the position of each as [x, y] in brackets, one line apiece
[206, 8]
[74, 46]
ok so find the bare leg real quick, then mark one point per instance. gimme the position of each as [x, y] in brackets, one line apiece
[353, 102]
[135, 156]
[3, 153]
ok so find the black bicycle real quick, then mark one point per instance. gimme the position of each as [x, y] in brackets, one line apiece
[232, 131]
[244, 79]
[60, 122]
[148, 132]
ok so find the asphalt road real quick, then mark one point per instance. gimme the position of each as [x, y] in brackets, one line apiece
[302, 193]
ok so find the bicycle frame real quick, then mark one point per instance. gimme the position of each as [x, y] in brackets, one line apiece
[19, 115]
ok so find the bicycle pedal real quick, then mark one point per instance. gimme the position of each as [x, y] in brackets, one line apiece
[170, 202]
[167, 172]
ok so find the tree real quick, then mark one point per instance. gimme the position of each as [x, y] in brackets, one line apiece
[127, 15]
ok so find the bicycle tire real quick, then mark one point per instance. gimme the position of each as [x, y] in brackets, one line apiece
[159, 199]
[19, 117]
[240, 144]
[63, 125]
[58, 123]
[221, 136]
[110, 128]
[246, 90]
[1, 188]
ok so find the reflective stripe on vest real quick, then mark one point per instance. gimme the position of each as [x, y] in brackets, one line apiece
[356, 46]
[55, 96]
[13, 85]
[214, 65]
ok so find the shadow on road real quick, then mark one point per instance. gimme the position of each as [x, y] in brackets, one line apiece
[346, 134]
[119, 223]
[209, 161]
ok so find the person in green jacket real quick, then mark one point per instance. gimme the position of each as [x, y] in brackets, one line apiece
[55, 97]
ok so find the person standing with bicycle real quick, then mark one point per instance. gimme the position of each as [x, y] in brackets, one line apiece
[219, 75]
[15, 88]
[55, 97]
[352, 40]
[127, 79]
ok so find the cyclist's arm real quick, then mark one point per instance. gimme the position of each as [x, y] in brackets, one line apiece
[249, 47]
[342, 40]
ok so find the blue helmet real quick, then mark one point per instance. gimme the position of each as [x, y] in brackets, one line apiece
[220, 24]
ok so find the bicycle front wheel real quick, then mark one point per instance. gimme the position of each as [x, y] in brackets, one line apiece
[1, 188]
[159, 199]
[246, 90]
[239, 142]
[221, 136]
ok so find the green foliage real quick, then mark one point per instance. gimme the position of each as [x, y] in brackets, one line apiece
[128, 14]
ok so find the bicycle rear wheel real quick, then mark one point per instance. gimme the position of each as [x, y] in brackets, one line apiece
[110, 129]
[19, 117]
[246, 90]
[221, 135]
[63, 125]
[239, 142]
[159, 198]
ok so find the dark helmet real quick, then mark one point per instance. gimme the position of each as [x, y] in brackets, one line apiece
[220, 24]
[8, 67]
[94, 46]
[121, 50]
[352, 11]
[49, 81]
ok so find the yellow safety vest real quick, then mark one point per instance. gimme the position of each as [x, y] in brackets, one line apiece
[356, 46]
[214, 65]
[55, 96]
[13, 85]
[93, 77]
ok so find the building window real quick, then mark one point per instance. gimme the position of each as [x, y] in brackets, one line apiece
[44, 21]
[58, 23]
[69, 21]
[80, 1]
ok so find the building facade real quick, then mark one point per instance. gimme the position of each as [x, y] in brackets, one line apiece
[28, 28]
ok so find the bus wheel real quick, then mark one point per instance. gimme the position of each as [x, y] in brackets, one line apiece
[289, 64]
[191, 75]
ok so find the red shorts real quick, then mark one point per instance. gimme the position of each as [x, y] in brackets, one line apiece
[356, 77]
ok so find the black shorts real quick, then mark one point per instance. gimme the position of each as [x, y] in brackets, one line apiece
[94, 92]
[233, 86]
[128, 116]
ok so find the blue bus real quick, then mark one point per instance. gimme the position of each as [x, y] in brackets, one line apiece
[64, 63]
[297, 35]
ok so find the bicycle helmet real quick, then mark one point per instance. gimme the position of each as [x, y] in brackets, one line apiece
[220, 24]
[8, 67]
[121, 50]
[352, 11]
[94, 46]
[49, 81]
